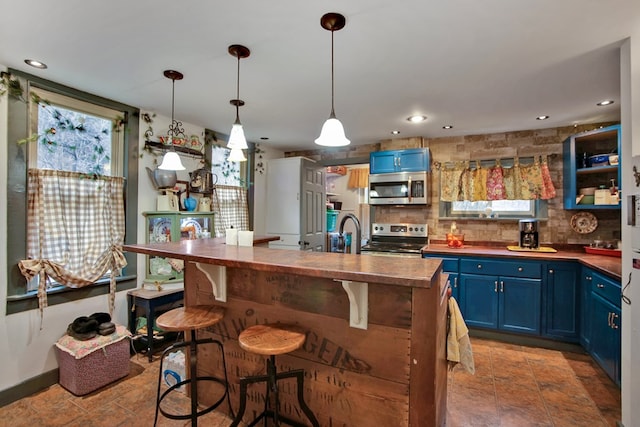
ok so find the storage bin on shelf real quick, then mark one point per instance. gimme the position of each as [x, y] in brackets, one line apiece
[86, 366]
[332, 219]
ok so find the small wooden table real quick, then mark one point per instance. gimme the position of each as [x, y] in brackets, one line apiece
[149, 301]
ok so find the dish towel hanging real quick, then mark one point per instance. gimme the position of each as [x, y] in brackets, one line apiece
[458, 342]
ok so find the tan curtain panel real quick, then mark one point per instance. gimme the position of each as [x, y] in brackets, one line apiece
[76, 230]
[231, 208]
[358, 178]
[460, 182]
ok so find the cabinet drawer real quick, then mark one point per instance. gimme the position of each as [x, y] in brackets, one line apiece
[531, 270]
[606, 288]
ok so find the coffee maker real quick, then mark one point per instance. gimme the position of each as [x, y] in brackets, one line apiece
[528, 233]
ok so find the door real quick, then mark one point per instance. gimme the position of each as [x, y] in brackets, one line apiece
[520, 305]
[479, 297]
[562, 293]
[312, 207]
[605, 338]
[382, 162]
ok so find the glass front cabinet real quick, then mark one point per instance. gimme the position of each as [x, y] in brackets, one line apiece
[173, 227]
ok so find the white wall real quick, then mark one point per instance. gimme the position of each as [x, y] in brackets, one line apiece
[630, 106]
[26, 349]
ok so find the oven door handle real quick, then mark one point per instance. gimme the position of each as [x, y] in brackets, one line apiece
[409, 189]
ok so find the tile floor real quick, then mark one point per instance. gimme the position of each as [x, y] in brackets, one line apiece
[514, 386]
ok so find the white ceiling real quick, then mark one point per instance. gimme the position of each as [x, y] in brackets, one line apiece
[482, 66]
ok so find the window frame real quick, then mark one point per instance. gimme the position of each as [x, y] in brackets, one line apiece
[18, 128]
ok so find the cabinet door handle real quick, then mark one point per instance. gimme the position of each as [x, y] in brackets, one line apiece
[613, 321]
[455, 282]
[479, 266]
[588, 278]
[600, 286]
[502, 286]
[520, 269]
[609, 320]
[551, 271]
[495, 287]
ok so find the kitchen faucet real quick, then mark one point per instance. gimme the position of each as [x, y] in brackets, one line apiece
[358, 231]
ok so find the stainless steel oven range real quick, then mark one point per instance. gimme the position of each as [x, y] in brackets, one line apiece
[396, 239]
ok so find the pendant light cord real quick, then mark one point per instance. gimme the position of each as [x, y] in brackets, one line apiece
[238, 91]
[333, 114]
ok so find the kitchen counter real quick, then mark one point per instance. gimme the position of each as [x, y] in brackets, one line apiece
[389, 369]
[611, 266]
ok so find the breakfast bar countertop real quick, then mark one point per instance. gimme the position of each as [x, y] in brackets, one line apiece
[410, 273]
[609, 265]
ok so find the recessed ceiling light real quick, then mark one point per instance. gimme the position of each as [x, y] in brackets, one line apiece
[35, 64]
[417, 118]
[395, 132]
[603, 103]
[447, 127]
[542, 117]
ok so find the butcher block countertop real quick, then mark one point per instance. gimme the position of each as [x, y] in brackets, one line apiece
[411, 272]
[611, 266]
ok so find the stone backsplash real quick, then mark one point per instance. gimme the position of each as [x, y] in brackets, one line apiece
[547, 142]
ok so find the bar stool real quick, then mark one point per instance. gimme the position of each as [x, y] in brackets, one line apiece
[189, 319]
[271, 340]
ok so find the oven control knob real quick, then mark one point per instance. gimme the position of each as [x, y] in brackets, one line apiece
[421, 228]
[410, 228]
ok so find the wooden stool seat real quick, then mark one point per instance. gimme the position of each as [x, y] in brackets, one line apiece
[189, 318]
[272, 339]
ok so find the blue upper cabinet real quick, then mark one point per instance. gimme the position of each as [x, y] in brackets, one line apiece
[589, 160]
[410, 160]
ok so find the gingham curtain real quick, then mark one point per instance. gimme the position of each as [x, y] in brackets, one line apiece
[76, 230]
[229, 203]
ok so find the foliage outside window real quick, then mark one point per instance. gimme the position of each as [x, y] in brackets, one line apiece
[228, 173]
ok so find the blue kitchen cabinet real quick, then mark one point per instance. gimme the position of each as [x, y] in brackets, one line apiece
[579, 173]
[561, 303]
[605, 323]
[449, 270]
[585, 307]
[502, 295]
[409, 160]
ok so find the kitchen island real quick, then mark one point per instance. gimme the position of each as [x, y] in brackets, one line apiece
[375, 348]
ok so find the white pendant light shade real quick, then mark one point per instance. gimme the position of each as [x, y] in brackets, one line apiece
[237, 138]
[237, 155]
[171, 161]
[332, 134]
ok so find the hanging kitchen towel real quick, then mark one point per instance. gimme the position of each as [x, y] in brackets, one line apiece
[450, 183]
[548, 190]
[466, 183]
[495, 183]
[458, 343]
[479, 183]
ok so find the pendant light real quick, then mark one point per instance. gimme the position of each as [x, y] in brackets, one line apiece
[236, 137]
[236, 155]
[171, 160]
[332, 134]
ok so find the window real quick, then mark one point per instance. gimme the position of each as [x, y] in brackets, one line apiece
[40, 107]
[228, 173]
[74, 135]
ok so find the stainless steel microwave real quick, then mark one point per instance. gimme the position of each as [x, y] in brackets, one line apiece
[400, 188]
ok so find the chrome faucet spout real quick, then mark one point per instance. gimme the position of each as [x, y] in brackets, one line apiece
[358, 230]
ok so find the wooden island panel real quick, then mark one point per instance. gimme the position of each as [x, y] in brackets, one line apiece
[354, 377]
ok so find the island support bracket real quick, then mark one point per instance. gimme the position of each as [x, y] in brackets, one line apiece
[358, 293]
[217, 276]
